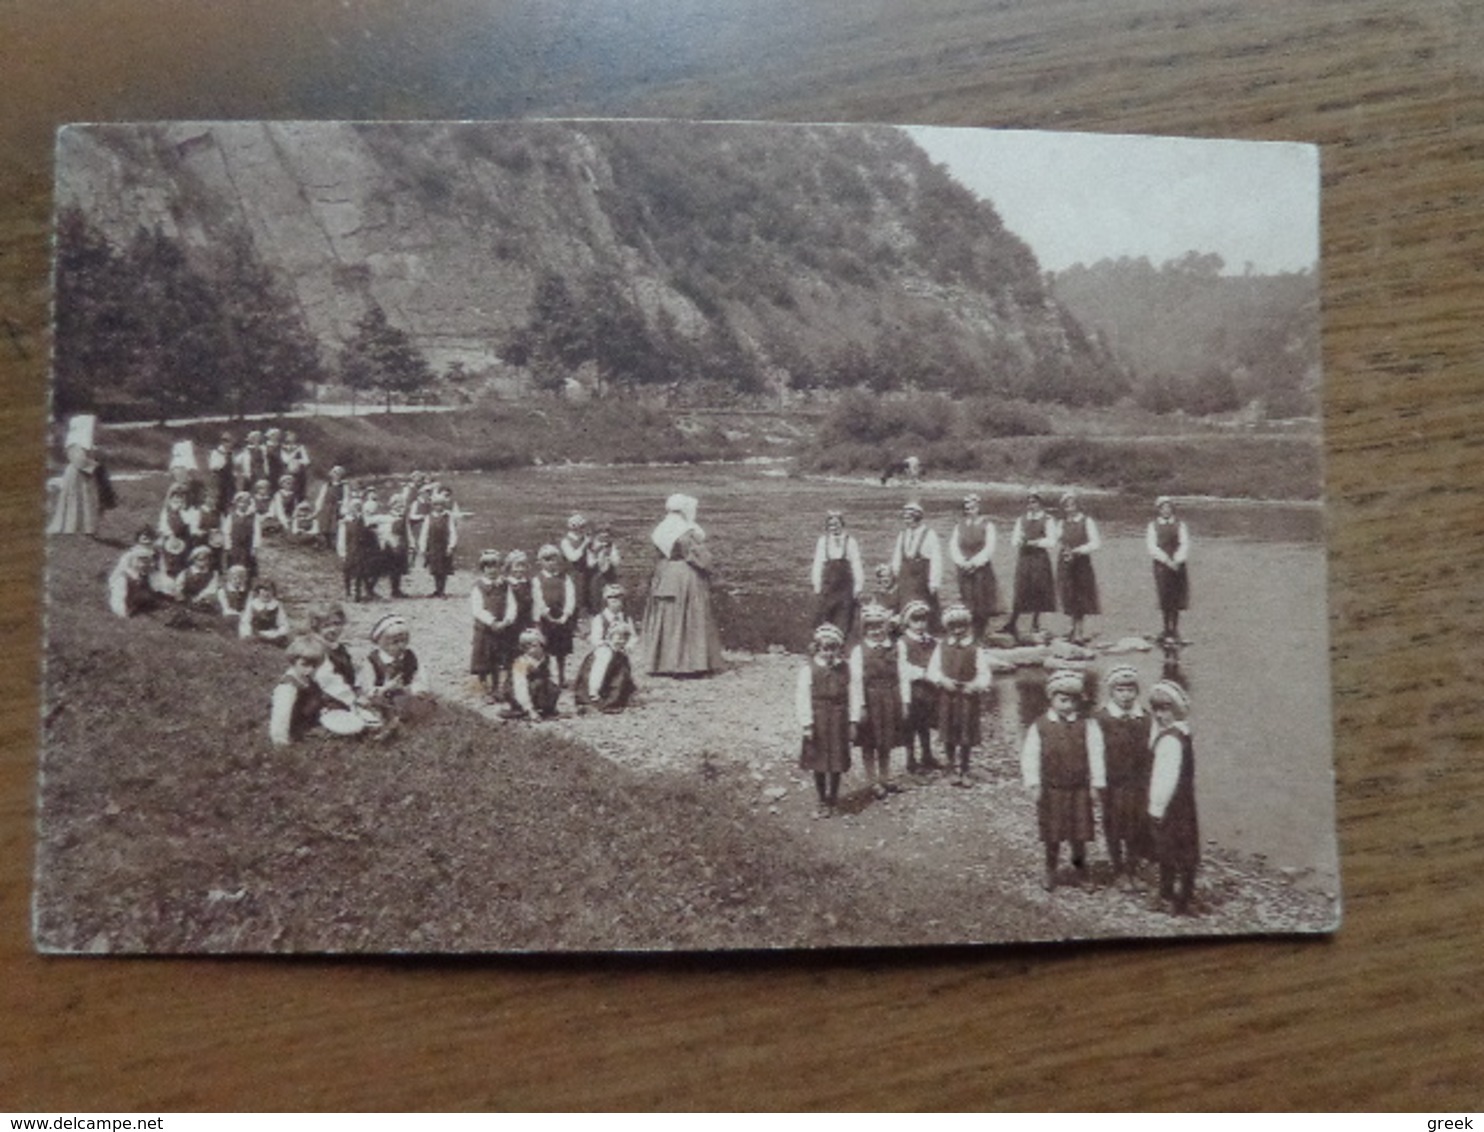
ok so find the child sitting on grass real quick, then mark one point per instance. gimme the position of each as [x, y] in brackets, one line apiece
[233, 595]
[133, 587]
[300, 704]
[263, 618]
[612, 613]
[197, 586]
[534, 690]
[394, 681]
[337, 675]
[605, 679]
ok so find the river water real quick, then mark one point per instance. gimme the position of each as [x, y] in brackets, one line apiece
[1257, 663]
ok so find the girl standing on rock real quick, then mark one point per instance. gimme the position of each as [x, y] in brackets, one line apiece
[1076, 581]
[1034, 537]
[1168, 541]
[824, 712]
[1172, 813]
[881, 690]
[837, 575]
[971, 548]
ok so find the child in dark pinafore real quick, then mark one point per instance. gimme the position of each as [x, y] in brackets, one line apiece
[879, 685]
[918, 646]
[533, 691]
[437, 538]
[837, 575]
[971, 547]
[1061, 763]
[1125, 803]
[1168, 540]
[490, 604]
[917, 561]
[1172, 812]
[554, 605]
[605, 679]
[1076, 581]
[1034, 537]
[822, 702]
[961, 672]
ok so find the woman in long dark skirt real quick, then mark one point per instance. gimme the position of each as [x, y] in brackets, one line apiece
[1168, 540]
[1034, 538]
[1076, 581]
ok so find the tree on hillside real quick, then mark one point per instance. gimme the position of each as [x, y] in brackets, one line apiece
[269, 355]
[173, 339]
[381, 357]
[89, 310]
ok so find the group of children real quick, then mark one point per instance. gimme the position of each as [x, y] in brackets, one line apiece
[324, 688]
[894, 690]
[526, 625]
[1054, 569]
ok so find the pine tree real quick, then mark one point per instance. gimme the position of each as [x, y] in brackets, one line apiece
[381, 357]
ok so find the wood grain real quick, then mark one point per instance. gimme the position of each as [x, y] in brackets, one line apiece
[1388, 1014]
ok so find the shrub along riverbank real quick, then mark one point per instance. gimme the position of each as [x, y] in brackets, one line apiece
[999, 440]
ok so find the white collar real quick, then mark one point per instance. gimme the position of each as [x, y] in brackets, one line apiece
[1135, 712]
[1051, 714]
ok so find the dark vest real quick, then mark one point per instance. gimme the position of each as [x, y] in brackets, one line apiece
[1064, 753]
[406, 668]
[959, 662]
[1126, 747]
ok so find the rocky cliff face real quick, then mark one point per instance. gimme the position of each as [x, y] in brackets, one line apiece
[801, 239]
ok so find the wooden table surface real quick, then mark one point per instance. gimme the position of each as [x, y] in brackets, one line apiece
[1387, 1014]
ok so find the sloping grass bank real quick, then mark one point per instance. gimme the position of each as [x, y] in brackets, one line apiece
[169, 823]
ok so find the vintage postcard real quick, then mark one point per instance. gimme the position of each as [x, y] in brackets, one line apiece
[652, 535]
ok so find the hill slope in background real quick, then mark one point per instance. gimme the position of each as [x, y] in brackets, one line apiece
[759, 256]
[1202, 340]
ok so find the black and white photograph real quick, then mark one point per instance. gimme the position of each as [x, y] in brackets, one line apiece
[650, 535]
